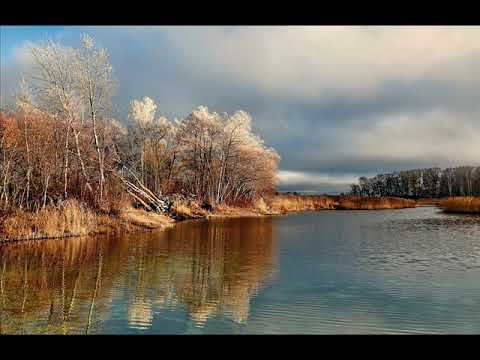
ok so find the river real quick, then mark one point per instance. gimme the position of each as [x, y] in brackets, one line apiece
[389, 271]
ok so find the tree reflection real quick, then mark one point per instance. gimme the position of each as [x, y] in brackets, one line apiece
[70, 286]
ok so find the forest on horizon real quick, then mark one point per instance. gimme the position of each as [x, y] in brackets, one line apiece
[432, 182]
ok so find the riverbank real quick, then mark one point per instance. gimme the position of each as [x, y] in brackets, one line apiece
[461, 205]
[183, 269]
[429, 202]
[73, 219]
[289, 202]
[383, 203]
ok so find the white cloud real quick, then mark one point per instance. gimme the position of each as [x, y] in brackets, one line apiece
[21, 55]
[11, 72]
[438, 136]
[288, 177]
[352, 98]
[314, 61]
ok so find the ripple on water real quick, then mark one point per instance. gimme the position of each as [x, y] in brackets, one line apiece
[405, 271]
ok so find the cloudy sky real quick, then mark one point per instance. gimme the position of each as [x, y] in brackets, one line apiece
[336, 102]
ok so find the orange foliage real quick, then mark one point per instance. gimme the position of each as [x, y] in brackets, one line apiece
[9, 131]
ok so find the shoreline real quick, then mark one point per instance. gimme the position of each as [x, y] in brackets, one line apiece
[129, 220]
[115, 224]
[74, 220]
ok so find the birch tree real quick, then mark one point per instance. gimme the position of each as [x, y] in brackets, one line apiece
[55, 89]
[93, 76]
[143, 115]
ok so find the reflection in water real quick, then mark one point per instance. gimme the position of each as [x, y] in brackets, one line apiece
[400, 271]
[74, 285]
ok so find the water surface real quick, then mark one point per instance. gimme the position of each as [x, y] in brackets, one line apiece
[393, 271]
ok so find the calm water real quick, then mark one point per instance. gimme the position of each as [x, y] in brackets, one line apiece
[400, 271]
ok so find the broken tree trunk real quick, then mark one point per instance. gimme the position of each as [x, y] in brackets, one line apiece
[144, 195]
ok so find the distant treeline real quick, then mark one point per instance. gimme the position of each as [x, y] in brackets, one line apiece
[422, 183]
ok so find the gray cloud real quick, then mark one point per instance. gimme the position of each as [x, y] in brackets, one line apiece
[335, 102]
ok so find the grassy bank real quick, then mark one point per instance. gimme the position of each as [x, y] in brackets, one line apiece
[462, 205]
[71, 218]
[429, 202]
[67, 219]
[285, 203]
[373, 203]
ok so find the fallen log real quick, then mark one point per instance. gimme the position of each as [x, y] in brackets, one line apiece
[144, 195]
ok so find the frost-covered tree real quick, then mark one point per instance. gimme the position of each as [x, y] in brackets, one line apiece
[151, 135]
[223, 159]
[94, 81]
[75, 85]
[55, 90]
[61, 143]
[143, 112]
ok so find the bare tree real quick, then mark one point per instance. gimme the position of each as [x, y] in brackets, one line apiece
[93, 77]
[55, 88]
[61, 143]
[224, 160]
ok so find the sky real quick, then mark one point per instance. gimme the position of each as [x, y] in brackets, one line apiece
[335, 102]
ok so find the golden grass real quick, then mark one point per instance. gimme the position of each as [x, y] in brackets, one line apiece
[428, 202]
[145, 219]
[70, 218]
[285, 203]
[261, 206]
[181, 209]
[372, 203]
[465, 204]
[225, 211]
[73, 219]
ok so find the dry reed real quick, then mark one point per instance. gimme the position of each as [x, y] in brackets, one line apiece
[466, 205]
[69, 218]
[285, 203]
[373, 203]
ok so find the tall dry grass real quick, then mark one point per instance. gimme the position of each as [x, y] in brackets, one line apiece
[284, 203]
[465, 205]
[373, 203]
[185, 209]
[261, 206]
[429, 202]
[181, 209]
[69, 218]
